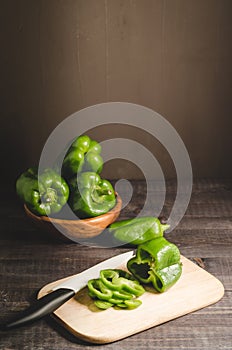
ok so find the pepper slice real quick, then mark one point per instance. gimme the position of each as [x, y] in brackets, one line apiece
[157, 262]
[98, 289]
[104, 305]
[133, 303]
[139, 230]
[129, 286]
[121, 281]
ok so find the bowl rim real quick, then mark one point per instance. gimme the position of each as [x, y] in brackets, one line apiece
[43, 218]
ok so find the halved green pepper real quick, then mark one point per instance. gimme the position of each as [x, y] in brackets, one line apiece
[157, 262]
[139, 230]
[91, 195]
[44, 196]
[83, 155]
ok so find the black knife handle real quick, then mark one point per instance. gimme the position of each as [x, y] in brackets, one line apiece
[42, 307]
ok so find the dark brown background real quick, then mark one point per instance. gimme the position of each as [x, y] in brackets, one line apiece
[172, 56]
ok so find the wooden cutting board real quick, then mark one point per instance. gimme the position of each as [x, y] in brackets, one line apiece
[195, 289]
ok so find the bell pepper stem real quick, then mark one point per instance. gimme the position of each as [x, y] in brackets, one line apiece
[165, 227]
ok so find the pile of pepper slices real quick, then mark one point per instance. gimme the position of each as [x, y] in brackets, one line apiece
[157, 261]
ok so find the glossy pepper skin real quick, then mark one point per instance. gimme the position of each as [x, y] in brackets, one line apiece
[157, 262]
[91, 195]
[139, 230]
[44, 196]
[83, 155]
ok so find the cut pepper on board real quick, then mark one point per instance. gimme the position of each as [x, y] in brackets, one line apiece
[157, 262]
[115, 288]
[119, 280]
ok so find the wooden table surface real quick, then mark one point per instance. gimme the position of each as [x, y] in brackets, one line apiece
[30, 258]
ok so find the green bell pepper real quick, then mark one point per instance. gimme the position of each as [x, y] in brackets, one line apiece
[91, 196]
[44, 196]
[139, 230]
[157, 262]
[83, 155]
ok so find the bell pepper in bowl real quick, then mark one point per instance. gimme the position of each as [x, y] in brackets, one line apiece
[91, 196]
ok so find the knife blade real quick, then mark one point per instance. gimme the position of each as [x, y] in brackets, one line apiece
[63, 292]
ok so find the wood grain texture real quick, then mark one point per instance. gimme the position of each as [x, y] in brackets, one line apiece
[30, 259]
[195, 289]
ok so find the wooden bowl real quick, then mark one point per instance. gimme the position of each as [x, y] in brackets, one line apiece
[76, 229]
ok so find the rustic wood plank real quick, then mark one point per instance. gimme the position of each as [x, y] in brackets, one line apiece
[77, 314]
[30, 258]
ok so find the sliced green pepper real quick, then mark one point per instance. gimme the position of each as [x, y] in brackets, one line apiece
[115, 288]
[91, 195]
[83, 155]
[103, 304]
[157, 262]
[133, 303]
[122, 295]
[139, 230]
[98, 290]
[44, 196]
[119, 280]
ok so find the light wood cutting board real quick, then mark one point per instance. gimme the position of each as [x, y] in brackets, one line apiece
[195, 289]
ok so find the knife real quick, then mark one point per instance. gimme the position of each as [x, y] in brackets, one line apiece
[63, 292]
